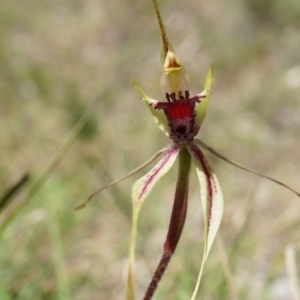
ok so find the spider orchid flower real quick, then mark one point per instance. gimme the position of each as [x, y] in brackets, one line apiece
[180, 117]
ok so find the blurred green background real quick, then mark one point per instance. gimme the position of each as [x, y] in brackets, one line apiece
[57, 56]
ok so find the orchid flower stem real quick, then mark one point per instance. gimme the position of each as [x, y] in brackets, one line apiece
[177, 220]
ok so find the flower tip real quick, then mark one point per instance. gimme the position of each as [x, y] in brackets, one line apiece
[86, 202]
[133, 81]
[209, 78]
[211, 72]
[81, 206]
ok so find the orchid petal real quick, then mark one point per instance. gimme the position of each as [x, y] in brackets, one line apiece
[202, 105]
[212, 203]
[160, 118]
[140, 191]
[141, 167]
[213, 151]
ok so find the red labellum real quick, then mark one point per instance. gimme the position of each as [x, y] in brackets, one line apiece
[181, 116]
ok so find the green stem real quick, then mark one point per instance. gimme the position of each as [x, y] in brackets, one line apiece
[58, 257]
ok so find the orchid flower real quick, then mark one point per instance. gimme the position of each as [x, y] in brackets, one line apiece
[180, 117]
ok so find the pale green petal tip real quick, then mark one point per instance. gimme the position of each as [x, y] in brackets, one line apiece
[202, 106]
[140, 90]
[160, 118]
[209, 79]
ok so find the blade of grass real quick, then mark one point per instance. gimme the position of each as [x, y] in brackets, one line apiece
[4, 295]
[291, 269]
[39, 182]
[62, 285]
[224, 260]
[11, 192]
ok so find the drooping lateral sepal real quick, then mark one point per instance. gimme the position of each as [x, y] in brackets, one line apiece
[212, 203]
[140, 191]
[144, 185]
[230, 161]
[136, 170]
[201, 107]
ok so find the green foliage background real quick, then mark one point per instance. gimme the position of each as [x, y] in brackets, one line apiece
[57, 56]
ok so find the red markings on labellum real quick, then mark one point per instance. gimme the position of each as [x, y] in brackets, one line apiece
[181, 116]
